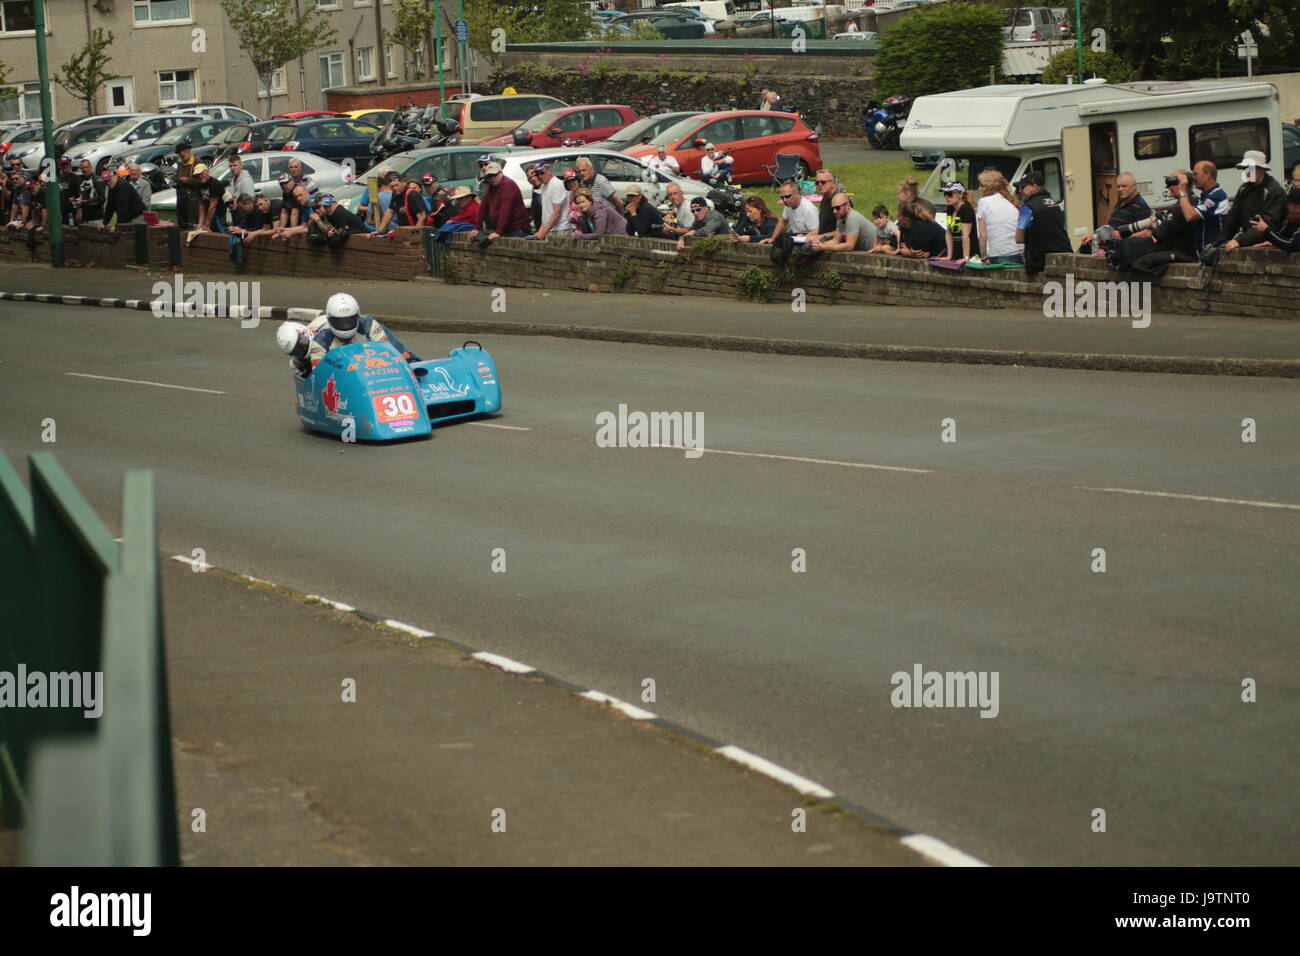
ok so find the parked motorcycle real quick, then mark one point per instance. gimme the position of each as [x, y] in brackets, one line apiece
[883, 122]
[414, 128]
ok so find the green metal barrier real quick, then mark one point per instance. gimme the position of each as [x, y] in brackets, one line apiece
[433, 252]
[91, 791]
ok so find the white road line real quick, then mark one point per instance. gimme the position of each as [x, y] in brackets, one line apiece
[513, 428]
[337, 605]
[935, 849]
[636, 713]
[1170, 494]
[819, 461]
[136, 381]
[505, 663]
[775, 771]
[414, 631]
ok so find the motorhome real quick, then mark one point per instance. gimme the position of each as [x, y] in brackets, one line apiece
[1081, 137]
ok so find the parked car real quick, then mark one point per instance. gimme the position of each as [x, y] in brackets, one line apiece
[1062, 19]
[601, 29]
[1290, 149]
[266, 170]
[453, 165]
[163, 152]
[692, 13]
[484, 117]
[751, 137]
[642, 131]
[243, 138]
[674, 26]
[137, 132]
[68, 133]
[306, 114]
[19, 139]
[215, 111]
[619, 168]
[761, 24]
[336, 138]
[1030, 24]
[861, 36]
[581, 123]
[925, 158]
[374, 116]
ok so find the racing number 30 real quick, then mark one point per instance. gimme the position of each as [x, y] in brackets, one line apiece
[395, 407]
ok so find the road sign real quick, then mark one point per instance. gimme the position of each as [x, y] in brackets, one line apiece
[462, 30]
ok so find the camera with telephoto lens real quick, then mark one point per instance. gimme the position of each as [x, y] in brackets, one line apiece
[1171, 181]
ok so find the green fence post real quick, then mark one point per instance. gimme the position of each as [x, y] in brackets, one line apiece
[137, 726]
[433, 252]
[75, 553]
[17, 629]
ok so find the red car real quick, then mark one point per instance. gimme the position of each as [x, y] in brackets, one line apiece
[583, 124]
[751, 137]
[307, 114]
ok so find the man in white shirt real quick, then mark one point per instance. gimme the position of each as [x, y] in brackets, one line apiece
[715, 165]
[685, 218]
[799, 218]
[661, 162]
[555, 203]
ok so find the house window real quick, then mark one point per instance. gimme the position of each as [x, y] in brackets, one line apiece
[177, 86]
[277, 84]
[17, 15]
[366, 63]
[26, 106]
[331, 71]
[389, 60]
[161, 11]
[328, 4]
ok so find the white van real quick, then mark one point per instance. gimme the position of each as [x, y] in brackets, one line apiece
[716, 10]
[1080, 138]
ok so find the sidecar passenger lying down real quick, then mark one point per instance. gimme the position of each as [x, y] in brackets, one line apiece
[369, 390]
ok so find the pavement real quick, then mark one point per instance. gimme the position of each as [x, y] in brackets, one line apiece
[1172, 343]
[436, 750]
[1120, 689]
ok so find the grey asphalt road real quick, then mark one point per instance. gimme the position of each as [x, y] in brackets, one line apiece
[857, 150]
[1118, 691]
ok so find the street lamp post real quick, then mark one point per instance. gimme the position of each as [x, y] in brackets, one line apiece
[49, 165]
[437, 46]
[1078, 34]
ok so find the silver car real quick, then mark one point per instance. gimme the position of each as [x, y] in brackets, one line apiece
[620, 169]
[134, 132]
[266, 170]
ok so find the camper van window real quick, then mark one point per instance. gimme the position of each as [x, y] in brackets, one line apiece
[1155, 143]
[1050, 168]
[1225, 143]
[967, 169]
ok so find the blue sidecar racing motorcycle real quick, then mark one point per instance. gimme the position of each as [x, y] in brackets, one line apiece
[370, 391]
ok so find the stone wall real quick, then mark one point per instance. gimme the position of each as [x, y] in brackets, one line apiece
[401, 257]
[90, 246]
[1261, 283]
[829, 102]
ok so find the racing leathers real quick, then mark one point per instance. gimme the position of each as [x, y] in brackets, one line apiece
[323, 340]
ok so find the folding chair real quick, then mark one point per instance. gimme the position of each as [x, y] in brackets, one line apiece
[786, 169]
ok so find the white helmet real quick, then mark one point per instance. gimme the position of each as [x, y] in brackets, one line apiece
[343, 313]
[293, 339]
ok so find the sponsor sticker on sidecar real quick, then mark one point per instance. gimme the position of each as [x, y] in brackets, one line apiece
[399, 408]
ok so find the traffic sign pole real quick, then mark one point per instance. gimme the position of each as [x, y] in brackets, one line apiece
[53, 207]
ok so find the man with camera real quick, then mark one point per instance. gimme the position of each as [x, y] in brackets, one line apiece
[1150, 245]
[1207, 213]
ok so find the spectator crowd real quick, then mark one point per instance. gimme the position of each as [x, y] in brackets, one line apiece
[997, 224]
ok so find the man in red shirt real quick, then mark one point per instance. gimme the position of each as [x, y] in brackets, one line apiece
[501, 211]
[466, 205]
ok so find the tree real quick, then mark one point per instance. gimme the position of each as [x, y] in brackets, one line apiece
[6, 92]
[412, 21]
[276, 32]
[84, 75]
[940, 48]
[1187, 39]
[524, 21]
[1104, 64]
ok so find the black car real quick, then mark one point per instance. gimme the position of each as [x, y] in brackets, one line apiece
[337, 138]
[642, 131]
[240, 138]
[163, 152]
